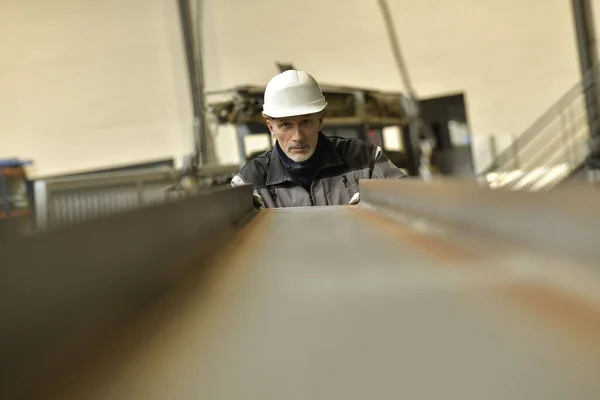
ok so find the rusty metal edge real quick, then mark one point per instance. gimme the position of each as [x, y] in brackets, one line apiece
[59, 286]
[564, 222]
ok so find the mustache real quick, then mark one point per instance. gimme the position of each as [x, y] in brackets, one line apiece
[297, 146]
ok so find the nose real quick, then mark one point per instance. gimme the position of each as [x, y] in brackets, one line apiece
[297, 134]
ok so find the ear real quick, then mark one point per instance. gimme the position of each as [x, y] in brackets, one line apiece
[321, 117]
[270, 126]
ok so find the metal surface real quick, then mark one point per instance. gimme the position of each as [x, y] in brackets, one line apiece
[190, 14]
[340, 302]
[588, 60]
[63, 291]
[396, 49]
[564, 221]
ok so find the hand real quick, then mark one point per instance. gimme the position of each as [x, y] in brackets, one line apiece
[258, 201]
[355, 199]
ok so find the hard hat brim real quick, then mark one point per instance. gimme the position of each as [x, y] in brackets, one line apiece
[275, 112]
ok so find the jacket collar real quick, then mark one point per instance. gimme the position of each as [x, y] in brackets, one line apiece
[277, 172]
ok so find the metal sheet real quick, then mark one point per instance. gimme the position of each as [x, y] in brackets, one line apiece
[61, 289]
[340, 302]
[320, 303]
[562, 221]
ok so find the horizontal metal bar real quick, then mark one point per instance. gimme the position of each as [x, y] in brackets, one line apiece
[104, 179]
[564, 221]
[209, 171]
[61, 286]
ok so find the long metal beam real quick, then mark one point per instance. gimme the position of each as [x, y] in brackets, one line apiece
[407, 295]
[565, 221]
[63, 289]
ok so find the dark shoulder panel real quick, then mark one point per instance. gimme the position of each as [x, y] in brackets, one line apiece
[255, 171]
[355, 153]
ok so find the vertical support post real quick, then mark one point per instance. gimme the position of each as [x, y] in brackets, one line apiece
[412, 131]
[395, 47]
[40, 195]
[566, 139]
[4, 196]
[242, 130]
[515, 151]
[409, 148]
[360, 112]
[192, 44]
[139, 191]
[588, 60]
[493, 151]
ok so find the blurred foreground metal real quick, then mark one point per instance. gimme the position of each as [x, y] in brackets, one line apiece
[426, 290]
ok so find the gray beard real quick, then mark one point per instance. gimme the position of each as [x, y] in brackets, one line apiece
[299, 157]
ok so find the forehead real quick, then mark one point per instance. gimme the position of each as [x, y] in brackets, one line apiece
[297, 118]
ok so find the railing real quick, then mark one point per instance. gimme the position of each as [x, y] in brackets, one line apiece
[67, 200]
[552, 148]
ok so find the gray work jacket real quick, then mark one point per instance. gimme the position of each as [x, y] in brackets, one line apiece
[345, 161]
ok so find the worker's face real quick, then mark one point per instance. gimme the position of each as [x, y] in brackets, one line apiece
[297, 136]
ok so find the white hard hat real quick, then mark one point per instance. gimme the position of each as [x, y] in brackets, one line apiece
[293, 93]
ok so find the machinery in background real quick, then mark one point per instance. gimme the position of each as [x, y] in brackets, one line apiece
[351, 112]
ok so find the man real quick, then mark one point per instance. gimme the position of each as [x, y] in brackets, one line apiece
[306, 168]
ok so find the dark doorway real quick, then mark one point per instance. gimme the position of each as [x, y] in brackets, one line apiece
[447, 117]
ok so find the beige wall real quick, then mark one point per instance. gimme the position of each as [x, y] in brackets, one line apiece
[512, 58]
[92, 84]
[100, 83]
